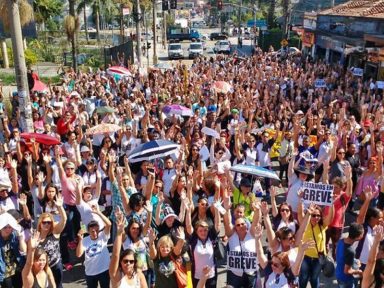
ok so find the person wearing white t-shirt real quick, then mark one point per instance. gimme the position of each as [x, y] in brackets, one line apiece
[86, 202]
[94, 247]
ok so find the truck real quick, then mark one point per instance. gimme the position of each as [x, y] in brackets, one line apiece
[177, 33]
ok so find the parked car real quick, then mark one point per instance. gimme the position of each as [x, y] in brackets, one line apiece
[218, 36]
[175, 51]
[222, 46]
[195, 49]
[291, 51]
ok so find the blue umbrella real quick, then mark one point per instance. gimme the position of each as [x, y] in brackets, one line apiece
[152, 150]
[254, 170]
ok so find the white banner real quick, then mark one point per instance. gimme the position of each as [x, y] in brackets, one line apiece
[317, 193]
[380, 84]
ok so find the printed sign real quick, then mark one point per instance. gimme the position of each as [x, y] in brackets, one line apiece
[317, 193]
[242, 260]
[380, 84]
[320, 83]
[358, 72]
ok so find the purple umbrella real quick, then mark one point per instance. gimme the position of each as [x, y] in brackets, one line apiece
[177, 110]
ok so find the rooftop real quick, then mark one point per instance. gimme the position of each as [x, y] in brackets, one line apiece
[358, 8]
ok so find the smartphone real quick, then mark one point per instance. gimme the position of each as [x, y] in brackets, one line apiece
[151, 170]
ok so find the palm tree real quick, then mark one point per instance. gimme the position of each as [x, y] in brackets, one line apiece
[71, 26]
[82, 7]
[45, 9]
[271, 13]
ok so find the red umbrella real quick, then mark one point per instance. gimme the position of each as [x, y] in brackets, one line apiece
[41, 138]
[39, 86]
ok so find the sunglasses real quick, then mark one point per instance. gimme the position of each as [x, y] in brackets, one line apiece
[285, 210]
[240, 224]
[276, 265]
[46, 222]
[220, 153]
[126, 261]
[69, 168]
[316, 216]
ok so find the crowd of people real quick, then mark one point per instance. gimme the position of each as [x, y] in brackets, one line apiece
[171, 221]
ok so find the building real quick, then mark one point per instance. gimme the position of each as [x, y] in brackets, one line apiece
[350, 34]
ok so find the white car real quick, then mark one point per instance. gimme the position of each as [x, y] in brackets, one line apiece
[175, 51]
[291, 51]
[222, 46]
[195, 49]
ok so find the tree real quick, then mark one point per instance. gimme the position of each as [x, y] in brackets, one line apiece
[82, 7]
[46, 9]
[271, 13]
[15, 14]
[71, 26]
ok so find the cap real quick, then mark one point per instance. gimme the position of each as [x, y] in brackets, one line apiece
[168, 212]
[8, 219]
[84, 149]
[245, 182]
[235, 111]
[299, 112]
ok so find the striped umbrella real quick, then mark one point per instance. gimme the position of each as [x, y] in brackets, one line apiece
[152, 150]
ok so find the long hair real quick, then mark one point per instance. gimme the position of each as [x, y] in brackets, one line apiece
[45, 199]
[36, 256]
[126, 253]
[128, 229]
[43, 216]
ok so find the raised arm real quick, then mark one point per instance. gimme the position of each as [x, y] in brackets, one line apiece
[303, 224]
[59, 162]
[114, 264]
[368, 274]
[275, 211]
[24, 207]
[228, 218]
[28, 158]
[159, 207]
[27, 275]
[59, 227]
[98, 185]
[261, 258]
[148, 206]
[300, 256]
[271, 236]
[107, 222]
[364, 208]
[15, 184]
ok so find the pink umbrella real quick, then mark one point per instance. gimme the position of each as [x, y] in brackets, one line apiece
[119, 70]
[39, 86]
[222, 87]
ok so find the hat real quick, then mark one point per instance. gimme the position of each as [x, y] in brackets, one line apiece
[84, 149]
[7, 219]
[235, 111]
[168, 212]
[305, 170]
[245, 182]
[299, 112]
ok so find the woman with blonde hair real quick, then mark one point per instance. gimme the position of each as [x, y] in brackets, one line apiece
[165, 257]
[50, 239]
[36, 272]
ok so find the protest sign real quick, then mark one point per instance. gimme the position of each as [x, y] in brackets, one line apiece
[241, 260]
[358, 72]
[380, 84]
[317, 193]
[320, 83]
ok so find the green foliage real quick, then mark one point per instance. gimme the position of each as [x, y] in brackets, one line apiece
[31, 57]
[46, 9]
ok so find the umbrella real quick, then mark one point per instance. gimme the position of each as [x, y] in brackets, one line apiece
[103, 128]
[105, 109]
[255, 170]
[177, 109]
[119, 70]
[39, 87]
[210, 132]
[152, 150]
[222, 87]
[41, 138]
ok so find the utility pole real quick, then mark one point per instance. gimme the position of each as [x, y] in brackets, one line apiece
[138, 32]
[146, 37]
[164, 29]
[20, 66]
[239, 27]
[154, 33]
